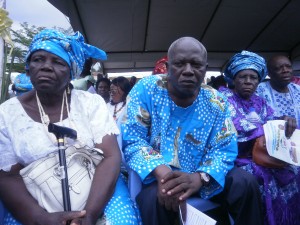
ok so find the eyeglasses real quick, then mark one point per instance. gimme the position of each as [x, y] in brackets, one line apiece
[114, 91]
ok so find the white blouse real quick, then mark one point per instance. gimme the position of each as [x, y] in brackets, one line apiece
[119, 108]
[22, 140]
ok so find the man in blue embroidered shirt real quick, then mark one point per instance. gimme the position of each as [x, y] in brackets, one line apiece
[179, 138]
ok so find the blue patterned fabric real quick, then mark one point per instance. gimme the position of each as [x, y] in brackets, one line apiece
[280, 191]
[157, 132]
[245, 61]
[284, 104]
[72, 49]
[22, 84]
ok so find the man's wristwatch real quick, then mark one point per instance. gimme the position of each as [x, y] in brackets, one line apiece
[205, 178]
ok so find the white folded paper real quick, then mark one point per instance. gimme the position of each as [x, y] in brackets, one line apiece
[279, 146]
[195, 217]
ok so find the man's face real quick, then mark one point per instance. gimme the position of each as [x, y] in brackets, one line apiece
[281, 71]
[186, 69]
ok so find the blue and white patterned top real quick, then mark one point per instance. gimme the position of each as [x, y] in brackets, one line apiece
[283, 104]
[157, 132]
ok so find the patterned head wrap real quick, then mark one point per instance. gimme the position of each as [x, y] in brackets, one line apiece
[71, 49]
[245, 61]
[160, 66]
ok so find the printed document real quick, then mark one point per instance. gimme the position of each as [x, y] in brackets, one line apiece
[192, 216]
[280, 147]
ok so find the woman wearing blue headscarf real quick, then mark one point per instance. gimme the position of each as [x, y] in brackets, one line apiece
[249, 112]
[53, 60]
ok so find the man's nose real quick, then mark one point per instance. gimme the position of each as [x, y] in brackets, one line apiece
[188, 68]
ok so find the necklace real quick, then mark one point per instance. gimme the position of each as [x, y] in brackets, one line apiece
[116, 111]
[45, 118]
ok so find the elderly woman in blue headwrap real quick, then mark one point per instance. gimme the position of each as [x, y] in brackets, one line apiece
[53, 60]
[249, 113]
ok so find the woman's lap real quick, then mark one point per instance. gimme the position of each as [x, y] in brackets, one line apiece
[120, 210]
[280, 189]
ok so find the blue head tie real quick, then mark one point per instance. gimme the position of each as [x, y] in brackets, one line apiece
[71, 49]
[245, 61]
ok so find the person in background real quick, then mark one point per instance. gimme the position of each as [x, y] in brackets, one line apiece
[179, 138]
[132, 81]
[296, 79]
[217, 82]
[22, 84]
[160, 66]
[24, 135]
[86, 81]
[249, 113]
[85, 84]
[103, 88]
[282, 95]
[119, 90]
[91, 82]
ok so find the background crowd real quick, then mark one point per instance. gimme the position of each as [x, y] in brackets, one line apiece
[183, 138]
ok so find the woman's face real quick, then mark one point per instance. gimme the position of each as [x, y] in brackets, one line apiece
[103, 89]
[116, 94]
[245, 83]
[48, 72]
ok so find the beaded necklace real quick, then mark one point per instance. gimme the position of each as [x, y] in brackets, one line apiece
[45, 118]
[116, 111]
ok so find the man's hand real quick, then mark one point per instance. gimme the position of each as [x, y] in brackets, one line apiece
[174, 187]
[182, 184]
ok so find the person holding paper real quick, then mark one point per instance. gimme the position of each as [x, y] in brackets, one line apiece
[179, 137]
[279, 187]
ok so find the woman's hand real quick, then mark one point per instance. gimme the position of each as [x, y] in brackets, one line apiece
[62, 218]
[290, 125]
